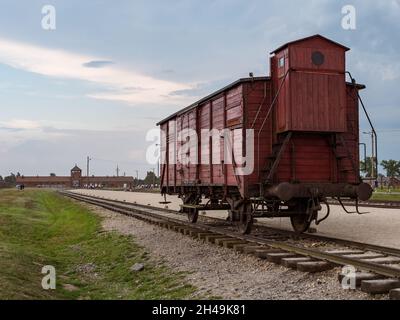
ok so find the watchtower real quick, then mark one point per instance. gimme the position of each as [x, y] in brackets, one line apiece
[76, 176]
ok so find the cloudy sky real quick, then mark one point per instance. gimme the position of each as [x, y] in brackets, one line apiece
[110, 70]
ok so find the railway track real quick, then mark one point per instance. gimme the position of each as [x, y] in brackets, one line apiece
[377, 269]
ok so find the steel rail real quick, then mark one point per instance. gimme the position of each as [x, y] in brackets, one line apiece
[128, 209]
[383, 270]
[384, 204]
[344, 242]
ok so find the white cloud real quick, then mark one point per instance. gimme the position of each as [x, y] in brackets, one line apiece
[377, 66]
[20, 124]
[16, 132]
[119, 83]
[20, 133]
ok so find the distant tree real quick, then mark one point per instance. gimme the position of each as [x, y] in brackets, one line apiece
[52, 174]
[18, 174]
[151, 178]
[392, 168]
[11, 179]
[366, 166]
[1, 178]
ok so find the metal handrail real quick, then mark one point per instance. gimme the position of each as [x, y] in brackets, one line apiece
[267, 116]
[374, 146]
[273, 102]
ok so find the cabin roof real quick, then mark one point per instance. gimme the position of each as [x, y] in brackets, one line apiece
[309, 38]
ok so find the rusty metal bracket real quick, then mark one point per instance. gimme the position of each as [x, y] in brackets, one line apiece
[356, 205]
[165, 200]
[343, 206]
[317, 222]
[350, 157]
[357, 208]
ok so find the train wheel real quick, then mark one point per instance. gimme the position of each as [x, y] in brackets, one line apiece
[306, 214]
[300, 223]
[245, 222]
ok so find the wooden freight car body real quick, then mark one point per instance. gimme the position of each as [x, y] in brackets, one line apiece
[270, 146]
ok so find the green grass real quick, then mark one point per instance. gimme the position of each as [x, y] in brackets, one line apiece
[385, 195]
[39, 227]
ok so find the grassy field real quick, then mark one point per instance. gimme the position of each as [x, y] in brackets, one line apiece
[40, 228]
[392, 194]
[385, 195]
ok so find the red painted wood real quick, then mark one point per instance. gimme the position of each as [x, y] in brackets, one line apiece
[313, 97]
[314, 102]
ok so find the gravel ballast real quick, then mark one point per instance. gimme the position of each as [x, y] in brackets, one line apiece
[223, 273]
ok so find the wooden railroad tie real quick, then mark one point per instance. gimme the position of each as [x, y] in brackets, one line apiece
[252, 249]
[204, 235]
[276, 257]
[220, 241]
[379, 286]
[395, 294]
[230, 243]
[292, 262]
[314, 266]
[360, 277]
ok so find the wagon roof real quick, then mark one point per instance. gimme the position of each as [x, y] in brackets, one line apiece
[233, 84]
[308, 38]
[214, 94]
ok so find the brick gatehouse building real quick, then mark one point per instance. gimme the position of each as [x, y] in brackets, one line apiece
[76, 180]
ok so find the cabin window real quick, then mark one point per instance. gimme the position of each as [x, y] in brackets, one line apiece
[317, 58]
[281, 62]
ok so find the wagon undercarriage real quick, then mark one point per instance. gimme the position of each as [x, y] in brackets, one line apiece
[301, 202]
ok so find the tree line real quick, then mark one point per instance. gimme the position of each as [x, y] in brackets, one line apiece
[391, 167]
[11, 179]
[150, 179]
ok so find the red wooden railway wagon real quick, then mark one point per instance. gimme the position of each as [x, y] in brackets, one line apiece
[304, 125]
